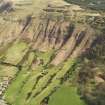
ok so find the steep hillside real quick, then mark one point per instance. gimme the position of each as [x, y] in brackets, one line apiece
[41, 42]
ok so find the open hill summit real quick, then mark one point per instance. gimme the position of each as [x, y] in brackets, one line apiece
[41, 42]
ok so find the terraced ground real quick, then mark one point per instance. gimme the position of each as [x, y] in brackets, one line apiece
[40, 48]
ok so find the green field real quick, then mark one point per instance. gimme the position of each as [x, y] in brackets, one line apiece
[66, 95]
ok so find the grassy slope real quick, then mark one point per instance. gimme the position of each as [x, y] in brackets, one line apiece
[17, 92]
[26, 79]
[65, 95]
[15, 53]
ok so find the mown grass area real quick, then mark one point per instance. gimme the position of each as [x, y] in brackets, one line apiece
[66, 95]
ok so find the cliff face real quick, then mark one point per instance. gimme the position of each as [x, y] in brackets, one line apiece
[43, 40]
